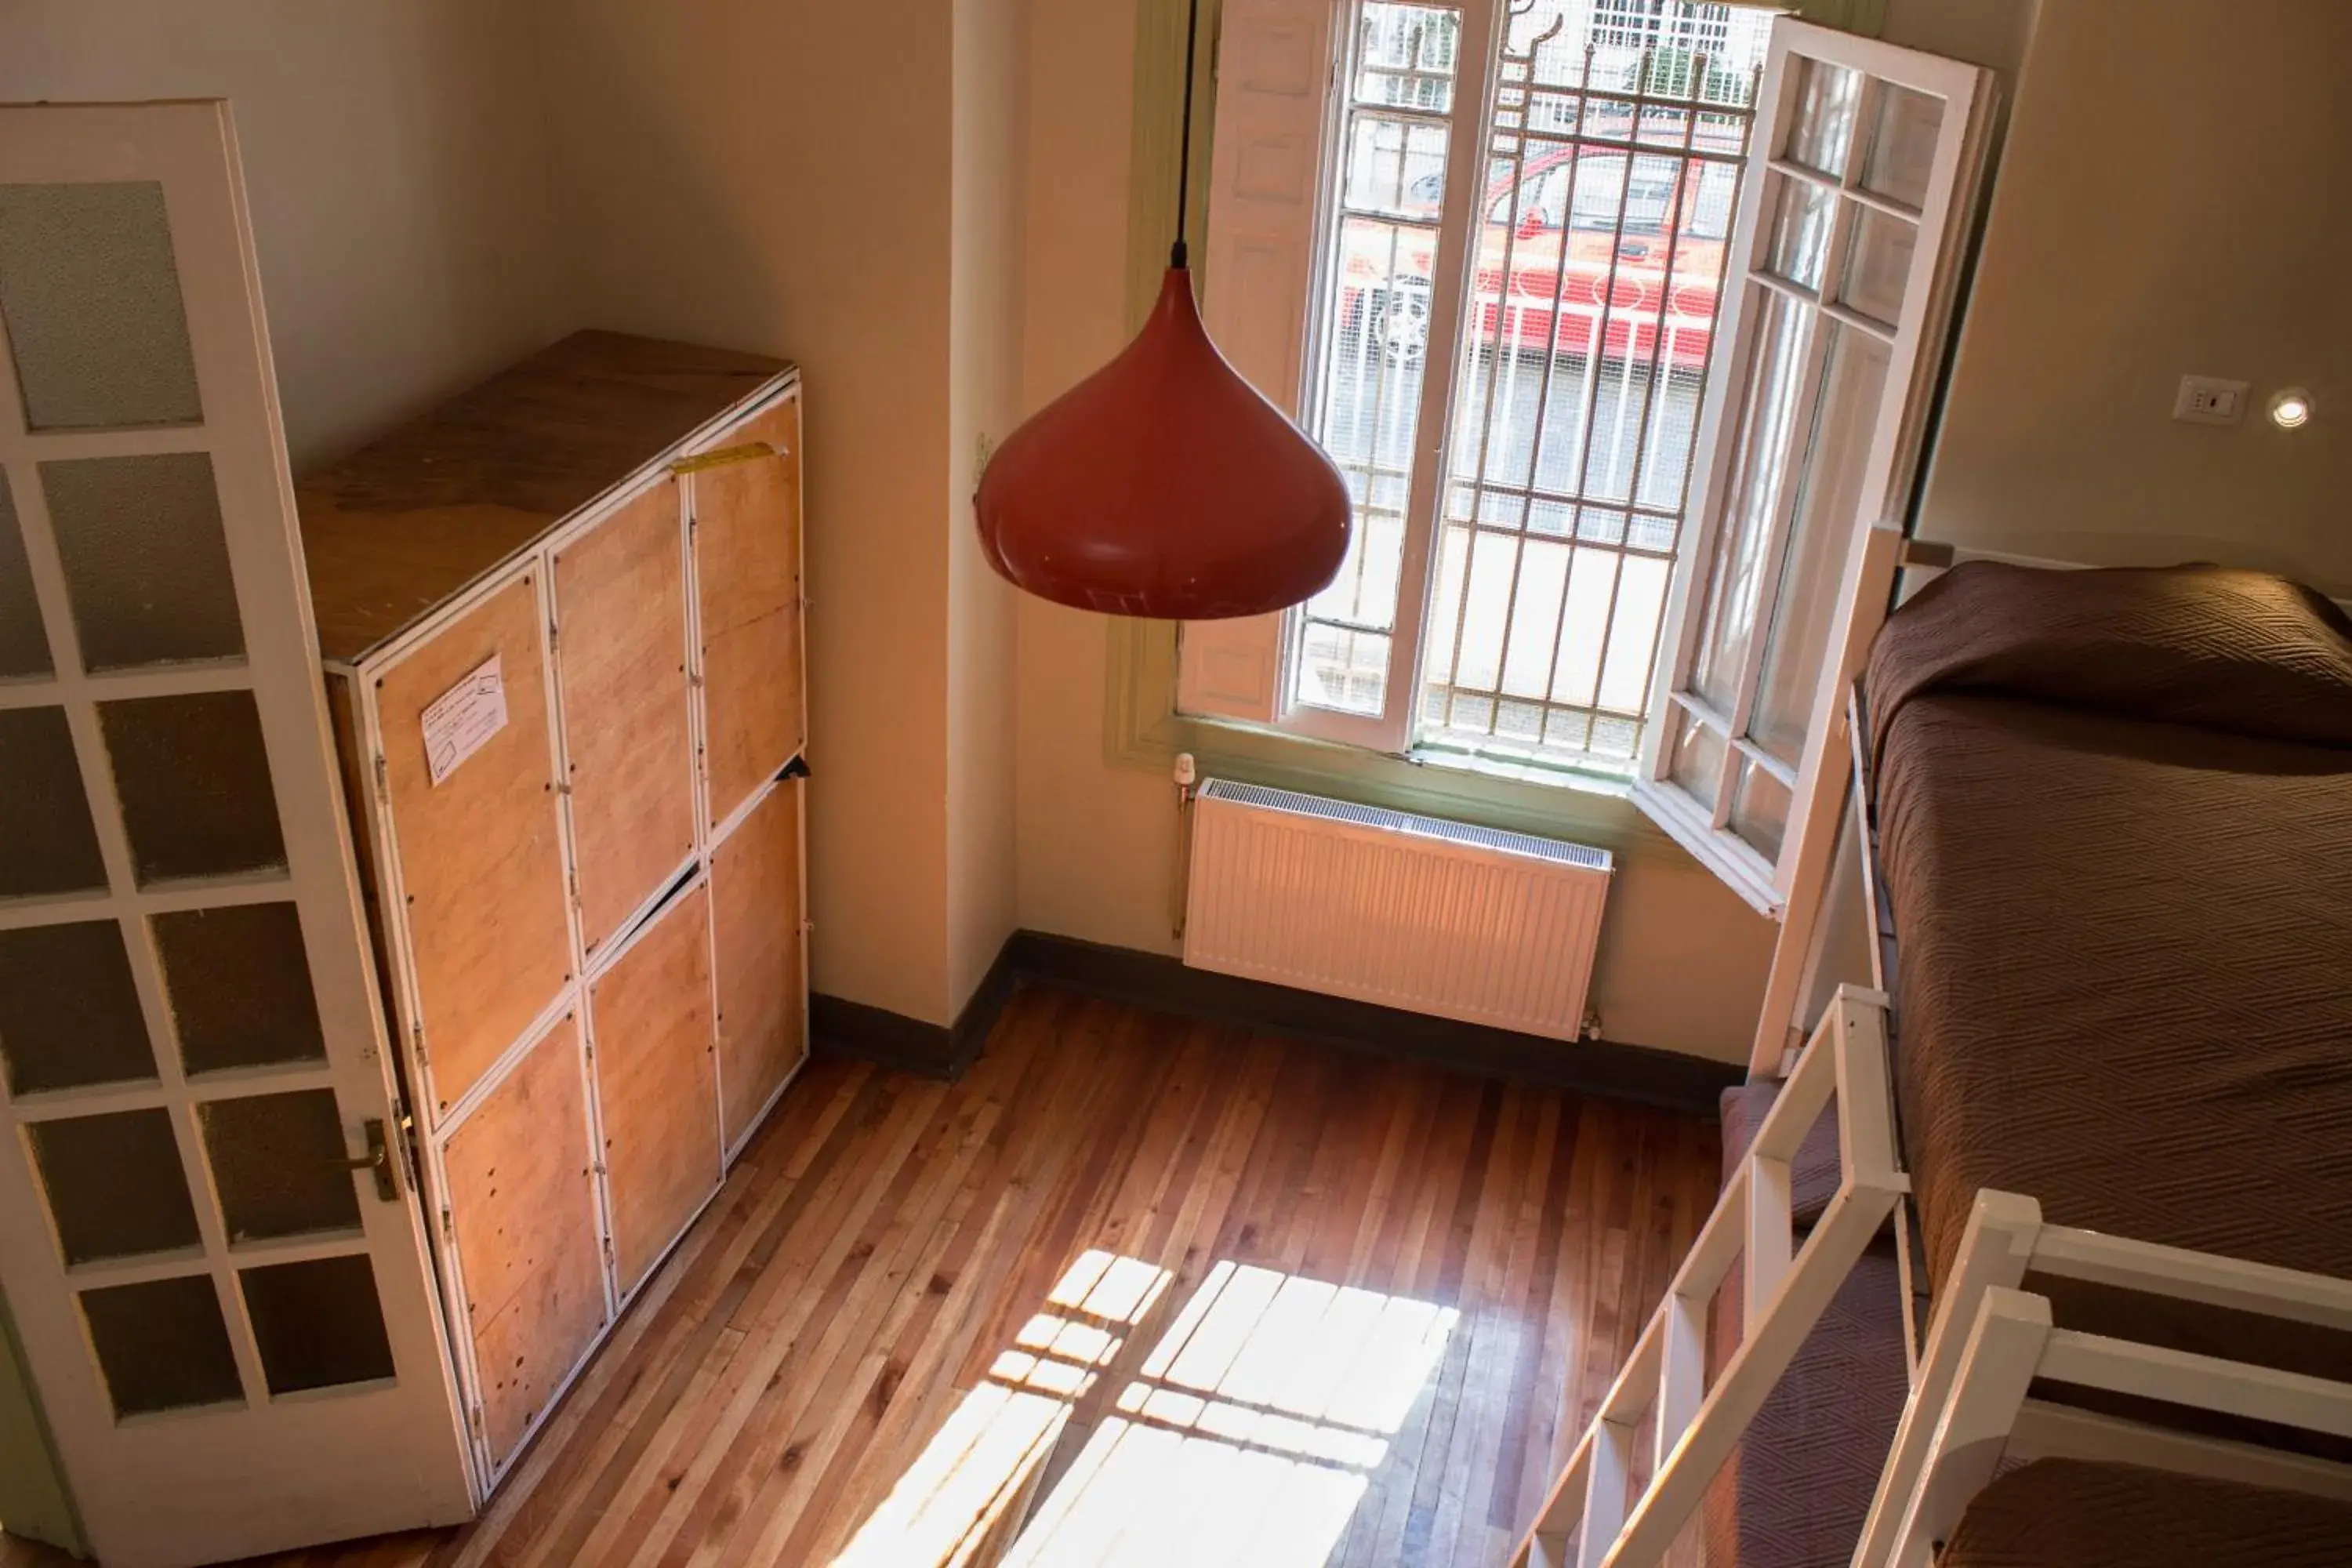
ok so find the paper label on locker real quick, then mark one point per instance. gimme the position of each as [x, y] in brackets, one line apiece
[464, 718]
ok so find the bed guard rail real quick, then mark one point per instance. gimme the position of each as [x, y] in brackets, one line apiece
[1585, 1519]
[1970, 1412]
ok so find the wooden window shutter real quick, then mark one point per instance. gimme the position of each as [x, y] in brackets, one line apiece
[1274, 76]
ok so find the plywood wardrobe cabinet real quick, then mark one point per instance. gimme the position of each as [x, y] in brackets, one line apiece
[560, 618]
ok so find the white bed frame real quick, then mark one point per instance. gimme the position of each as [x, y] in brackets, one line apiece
[1968, 1409]
[1988, 1341]
[1784, 1289]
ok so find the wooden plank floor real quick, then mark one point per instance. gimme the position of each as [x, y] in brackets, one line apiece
[1162, 1289]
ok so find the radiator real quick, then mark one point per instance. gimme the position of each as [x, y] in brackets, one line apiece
[1384, 906]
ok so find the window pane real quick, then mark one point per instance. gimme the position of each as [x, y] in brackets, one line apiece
[1391, 192]
[1759, 810]
[1878, 265]
[1822, 127]
[1901, 154]
[1697, 763]
[1800, 244]
[91, 297]
[1573, 405]
[1759, 460]
[1853, 379]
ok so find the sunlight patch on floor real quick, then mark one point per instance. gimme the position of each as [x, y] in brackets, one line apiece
[1247, 1435]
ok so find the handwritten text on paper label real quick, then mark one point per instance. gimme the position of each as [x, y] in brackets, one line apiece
[464, 718]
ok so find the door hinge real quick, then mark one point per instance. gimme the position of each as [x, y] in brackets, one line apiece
[448, 1227]
[382, 781]
[416, 1038]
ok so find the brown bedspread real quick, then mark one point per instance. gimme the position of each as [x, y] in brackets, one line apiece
[2116, 824]
[2072, 1513]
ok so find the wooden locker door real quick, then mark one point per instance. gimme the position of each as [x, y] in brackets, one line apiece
[760, 944]
[650, 1020]
[746, 504]
[620, 618]
[234, 1334]
[520, 1182]
[476, 884]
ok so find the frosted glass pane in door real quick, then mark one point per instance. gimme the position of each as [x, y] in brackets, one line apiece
[69, 1014]
[277, 1164]
[146, 562]
[47, 844]
[90, 296]
[162, 1345]
[195, 784]
[23, 643]
[114, 1184]
[239, 983]
[1854, 377]
[318, 1324]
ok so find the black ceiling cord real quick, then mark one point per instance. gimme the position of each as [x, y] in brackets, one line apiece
[1176, 257]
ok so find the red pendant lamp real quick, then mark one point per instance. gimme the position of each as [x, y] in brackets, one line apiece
[1162, 485]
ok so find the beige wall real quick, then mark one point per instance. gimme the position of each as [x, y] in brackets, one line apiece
[777, 176]
[984, 322]
[394, 159]
[1682, 960]
[2171, 201]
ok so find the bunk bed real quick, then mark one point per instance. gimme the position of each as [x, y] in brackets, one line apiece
[2112, 864]
[2106, 823]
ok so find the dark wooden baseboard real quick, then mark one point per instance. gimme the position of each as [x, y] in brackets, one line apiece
[1163, 983]
[845, 1028]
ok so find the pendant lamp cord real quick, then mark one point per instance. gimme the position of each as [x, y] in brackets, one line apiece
[1176, 257]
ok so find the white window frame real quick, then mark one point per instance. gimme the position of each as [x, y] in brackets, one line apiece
[1889, 469]
[1238, 670]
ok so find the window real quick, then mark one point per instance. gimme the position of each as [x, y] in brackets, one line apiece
[1613, 145]
[1612, 313]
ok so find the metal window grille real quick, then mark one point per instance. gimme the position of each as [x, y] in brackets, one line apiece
[1616, 135]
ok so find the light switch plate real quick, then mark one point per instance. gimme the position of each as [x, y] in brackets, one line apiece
[2210, 400]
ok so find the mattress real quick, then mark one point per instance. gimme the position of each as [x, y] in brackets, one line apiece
[2114, 814]
[2072, 1513]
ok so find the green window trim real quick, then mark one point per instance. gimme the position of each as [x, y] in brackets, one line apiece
[1141, 728]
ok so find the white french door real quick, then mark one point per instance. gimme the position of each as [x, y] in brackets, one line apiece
[1853, 215]
[207, 1232]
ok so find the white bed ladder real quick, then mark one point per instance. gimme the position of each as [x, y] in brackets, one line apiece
[1784, 1291]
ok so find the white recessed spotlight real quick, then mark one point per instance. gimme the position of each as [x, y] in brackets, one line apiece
[2291, 409]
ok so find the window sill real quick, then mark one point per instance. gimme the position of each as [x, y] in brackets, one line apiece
[1142, 730]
